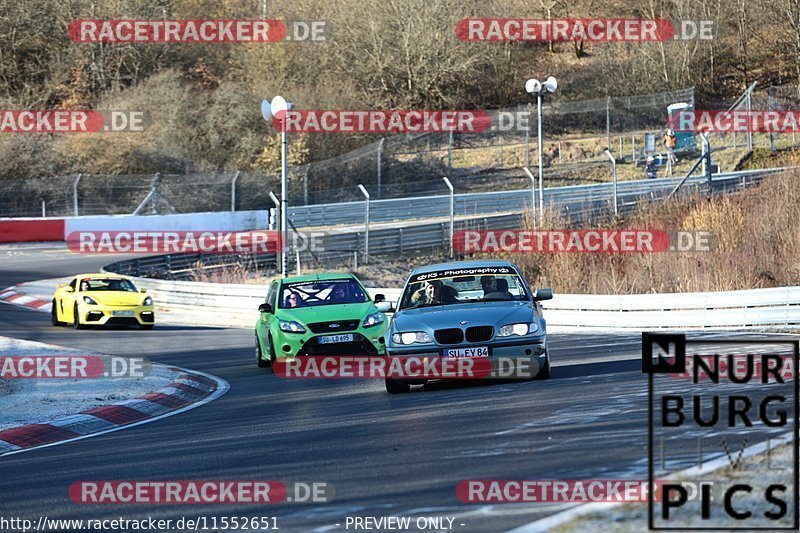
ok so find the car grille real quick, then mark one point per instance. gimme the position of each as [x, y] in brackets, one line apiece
[479, 333]
[449, 336]
[359, 346]
[122, 321]
[325, 327]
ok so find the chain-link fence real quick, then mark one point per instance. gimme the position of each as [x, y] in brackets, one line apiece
[577, 133]
[397, 166]
[85, 194]
[773, 98]
[784, 98]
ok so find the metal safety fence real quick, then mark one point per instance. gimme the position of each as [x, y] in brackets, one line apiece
[399, 238]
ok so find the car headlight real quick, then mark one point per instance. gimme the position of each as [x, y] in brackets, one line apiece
[147, 301]
[410, 337]
[373, 320]
[517, 329]
[89, 300]
[291, 327]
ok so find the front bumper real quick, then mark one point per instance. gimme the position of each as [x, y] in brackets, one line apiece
[534, 347]
[365, 342]
[104, 315]
[519, 347]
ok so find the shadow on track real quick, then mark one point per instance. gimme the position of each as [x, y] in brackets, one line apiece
[580, 370]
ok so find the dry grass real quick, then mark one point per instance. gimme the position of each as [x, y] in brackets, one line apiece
[756, 244]
[237, 273]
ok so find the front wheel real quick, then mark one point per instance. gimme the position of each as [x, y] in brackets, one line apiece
[76, 319]
[396, 387]
[259, 356]
[272, 358]
[544, 372]
[54, 315]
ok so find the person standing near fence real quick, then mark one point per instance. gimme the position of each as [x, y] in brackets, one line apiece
[670, 142]
[651, 169]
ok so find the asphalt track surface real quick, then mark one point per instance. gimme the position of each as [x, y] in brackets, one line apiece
[385, 455]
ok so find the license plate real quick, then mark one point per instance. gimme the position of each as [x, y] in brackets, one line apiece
[329, 339]
[476, 351]
[121, 313]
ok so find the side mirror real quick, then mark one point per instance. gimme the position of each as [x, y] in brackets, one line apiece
[379, 298]
[143, 291]
[68, 289]
[384, 306]
[266, 308]
[543, 294]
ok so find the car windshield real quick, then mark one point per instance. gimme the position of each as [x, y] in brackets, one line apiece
[107, 284]
[452, 287]
[321, 292]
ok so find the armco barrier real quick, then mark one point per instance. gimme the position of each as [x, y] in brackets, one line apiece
[776, 308]
[747, 309]
[215, 304]
[57, 229]
[211, 221]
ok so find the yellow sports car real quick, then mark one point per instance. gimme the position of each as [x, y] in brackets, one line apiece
[98, 299]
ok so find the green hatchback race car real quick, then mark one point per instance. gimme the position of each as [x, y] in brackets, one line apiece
[319, 314]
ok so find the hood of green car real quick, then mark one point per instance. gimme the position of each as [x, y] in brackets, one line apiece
[328, 313]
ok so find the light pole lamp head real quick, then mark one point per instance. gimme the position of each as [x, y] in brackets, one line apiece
[266, 110]
[533, 86]
[275, 109]
[550, 85]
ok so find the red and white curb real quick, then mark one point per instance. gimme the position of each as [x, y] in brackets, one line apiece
[11, 296]
[191, 389]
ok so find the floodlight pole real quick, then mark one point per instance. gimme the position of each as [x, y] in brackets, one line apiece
[284, 199]
[278, 109]
[535, 86]
[541, 163]
[528, 135]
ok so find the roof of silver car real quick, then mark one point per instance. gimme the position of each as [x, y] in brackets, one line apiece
[463, 264]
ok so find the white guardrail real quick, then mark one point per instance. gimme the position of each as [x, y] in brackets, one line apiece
[777, 308]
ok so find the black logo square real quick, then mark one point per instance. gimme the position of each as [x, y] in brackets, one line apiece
[670, 352]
